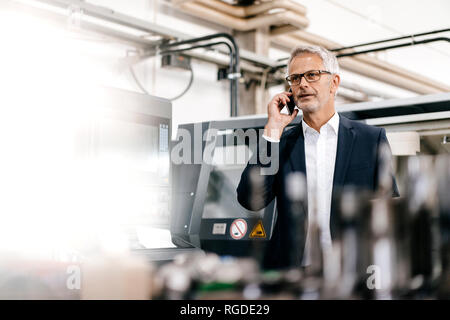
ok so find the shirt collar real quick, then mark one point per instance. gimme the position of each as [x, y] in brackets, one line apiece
[333, 122]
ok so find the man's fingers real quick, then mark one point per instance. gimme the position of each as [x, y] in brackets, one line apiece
[294, 114]
[284, 95]
[281, 105]
[282, 99]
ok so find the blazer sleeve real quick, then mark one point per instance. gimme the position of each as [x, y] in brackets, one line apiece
[383, 140]
[257, 187]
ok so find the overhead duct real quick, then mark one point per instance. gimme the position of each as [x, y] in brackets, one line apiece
[242, 24]
[317, 40]
[231, 16]
[367, 66]
[370, 92]
[255, 9]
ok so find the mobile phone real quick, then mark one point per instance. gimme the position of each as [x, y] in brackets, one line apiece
[291, 103]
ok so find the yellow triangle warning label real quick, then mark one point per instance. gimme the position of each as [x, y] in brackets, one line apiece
[258, 230]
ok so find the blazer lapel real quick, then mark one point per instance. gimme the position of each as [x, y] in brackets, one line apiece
[296, 146]
[346, 139]
[346, 136]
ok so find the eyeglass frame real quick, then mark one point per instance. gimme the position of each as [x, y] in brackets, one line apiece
[302, 75]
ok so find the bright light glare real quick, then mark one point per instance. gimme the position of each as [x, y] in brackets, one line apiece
[52, 198]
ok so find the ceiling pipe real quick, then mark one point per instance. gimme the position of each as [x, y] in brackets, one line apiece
[317, 40]
[351, 95]
[255, 9]
[413, 76]
[368, 66]
[401, 45]
[411, 37]
[242, 24]
[370, 92]
[364, 65]
[368, 70]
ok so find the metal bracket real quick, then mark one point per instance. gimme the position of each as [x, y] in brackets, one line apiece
[236, 75]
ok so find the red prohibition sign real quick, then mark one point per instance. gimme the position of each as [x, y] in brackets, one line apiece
[238, 229]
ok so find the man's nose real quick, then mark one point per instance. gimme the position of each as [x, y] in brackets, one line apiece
[303, 82]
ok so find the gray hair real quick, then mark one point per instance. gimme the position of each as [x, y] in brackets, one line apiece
[329, 60]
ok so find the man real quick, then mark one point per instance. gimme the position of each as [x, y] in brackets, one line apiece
[329, 149]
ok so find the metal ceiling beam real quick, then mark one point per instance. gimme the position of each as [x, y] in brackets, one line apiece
[418, 100]
[110, 15]
[252, 62]
[116, 17]
[409, 118]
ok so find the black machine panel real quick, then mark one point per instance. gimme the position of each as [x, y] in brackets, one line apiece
[205, 210]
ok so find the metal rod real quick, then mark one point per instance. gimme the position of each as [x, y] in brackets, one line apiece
[393, 47]
[392, 39]
[209, 37]
[196, 47]
[376, 49]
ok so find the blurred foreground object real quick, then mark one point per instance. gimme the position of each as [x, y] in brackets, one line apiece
[386, 248]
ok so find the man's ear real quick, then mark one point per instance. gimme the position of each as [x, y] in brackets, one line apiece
[335, 84]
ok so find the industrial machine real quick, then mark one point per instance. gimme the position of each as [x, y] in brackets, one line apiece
[205, 210]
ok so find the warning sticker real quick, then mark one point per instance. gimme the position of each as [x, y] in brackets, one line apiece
[238, 229]
[258, 230]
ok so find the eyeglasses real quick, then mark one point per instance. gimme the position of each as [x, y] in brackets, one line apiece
[310, 76]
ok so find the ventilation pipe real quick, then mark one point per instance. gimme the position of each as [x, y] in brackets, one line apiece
[255, 9]
[231, 16]
[317, 40]
[367, 66]
[244, 24]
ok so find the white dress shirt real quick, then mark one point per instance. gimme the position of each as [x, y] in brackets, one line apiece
[320, 157]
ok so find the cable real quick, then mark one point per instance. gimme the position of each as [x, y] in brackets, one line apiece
[411, 43]
[384, 26]
[197, 47]
[234, 64]
[191, 80]
[139, 84]
[137, 81]
[393, 47]
[411, 36]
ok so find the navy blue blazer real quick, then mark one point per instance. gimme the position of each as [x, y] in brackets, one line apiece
[356, 164]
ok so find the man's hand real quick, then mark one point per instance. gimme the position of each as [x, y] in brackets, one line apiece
[277, 121]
